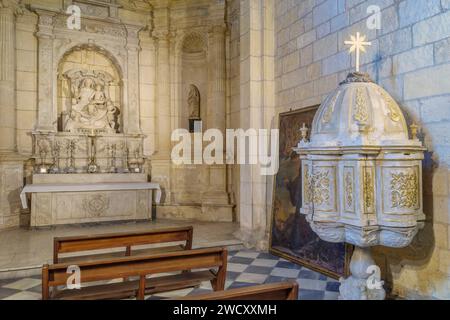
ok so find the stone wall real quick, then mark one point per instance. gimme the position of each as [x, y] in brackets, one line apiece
[410, 58]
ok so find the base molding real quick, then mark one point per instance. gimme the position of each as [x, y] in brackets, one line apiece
[11, 183]
[201, 212]
[253, 238]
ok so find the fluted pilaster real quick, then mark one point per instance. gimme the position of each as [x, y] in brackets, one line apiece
[133, 110]
[46, 114]
[162, 40]
[7, 78]
[217, 78]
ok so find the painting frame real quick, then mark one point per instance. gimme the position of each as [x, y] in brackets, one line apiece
[348, 249]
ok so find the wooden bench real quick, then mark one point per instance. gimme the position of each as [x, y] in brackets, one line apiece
[272, 291]
[137, 266]
[78, 244]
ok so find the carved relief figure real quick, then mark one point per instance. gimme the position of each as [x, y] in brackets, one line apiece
[91, 107]
[82, 99]
[194, 102]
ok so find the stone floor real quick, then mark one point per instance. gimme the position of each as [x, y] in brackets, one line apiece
[24, 251]
[245, 268]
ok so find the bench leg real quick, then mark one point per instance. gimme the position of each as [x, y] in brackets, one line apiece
[218, 283]
[141, 290]
[45, 288]
[127, 254]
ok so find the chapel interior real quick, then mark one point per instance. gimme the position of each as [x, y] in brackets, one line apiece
[116, 118]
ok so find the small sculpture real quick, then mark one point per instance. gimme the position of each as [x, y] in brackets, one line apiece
[194, 102]
[414, 130]
[304, 133]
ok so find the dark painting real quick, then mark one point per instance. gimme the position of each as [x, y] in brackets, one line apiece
[291, 236]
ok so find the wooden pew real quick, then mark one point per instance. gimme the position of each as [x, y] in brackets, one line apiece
[137, 266]
[78, 244]
[272, 291]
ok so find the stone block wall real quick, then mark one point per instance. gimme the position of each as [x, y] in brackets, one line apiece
[410, 58]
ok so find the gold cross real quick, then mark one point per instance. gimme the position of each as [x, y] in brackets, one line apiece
[357, 44]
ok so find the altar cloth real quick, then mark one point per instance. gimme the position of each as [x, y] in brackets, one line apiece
[83, 187]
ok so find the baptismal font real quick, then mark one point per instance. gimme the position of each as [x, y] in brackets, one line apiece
[362, 176]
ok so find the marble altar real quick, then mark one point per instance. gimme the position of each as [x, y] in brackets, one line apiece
[89, 198]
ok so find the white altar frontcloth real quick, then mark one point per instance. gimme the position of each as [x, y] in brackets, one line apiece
[81, 187]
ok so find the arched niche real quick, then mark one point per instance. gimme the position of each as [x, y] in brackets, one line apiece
[89, 91]
[194, 79]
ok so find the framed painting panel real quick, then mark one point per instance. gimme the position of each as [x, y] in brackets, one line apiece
[291, 237]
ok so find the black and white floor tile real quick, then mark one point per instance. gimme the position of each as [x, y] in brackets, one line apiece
[245, 268]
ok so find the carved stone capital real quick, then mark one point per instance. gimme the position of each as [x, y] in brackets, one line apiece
[219, 29]
[45, 24]
[15, 6]
[133, 30]
[163, 35]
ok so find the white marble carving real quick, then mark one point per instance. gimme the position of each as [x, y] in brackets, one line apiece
[362, 175]
[91, 106]
[90, 198]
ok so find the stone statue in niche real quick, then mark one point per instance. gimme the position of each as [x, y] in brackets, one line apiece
[194, 102]
[91, 107]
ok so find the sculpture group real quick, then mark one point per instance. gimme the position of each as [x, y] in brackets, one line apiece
[91, 107]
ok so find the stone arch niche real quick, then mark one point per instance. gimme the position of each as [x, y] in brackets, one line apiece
[89, 91]
[199, 60]
[194, 80]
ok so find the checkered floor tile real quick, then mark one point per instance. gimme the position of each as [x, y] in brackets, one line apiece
[245, 268]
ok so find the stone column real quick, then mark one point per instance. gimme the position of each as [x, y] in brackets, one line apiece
[161, 163]
[7, 77]
[11, 164]
[132, 116]
[256, 111]
[217, 78]
[215, 202]
[162, 40]
[46, 115]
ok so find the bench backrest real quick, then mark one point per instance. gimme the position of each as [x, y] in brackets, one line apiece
[119, 240]
[56, 275]
[272, 291]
